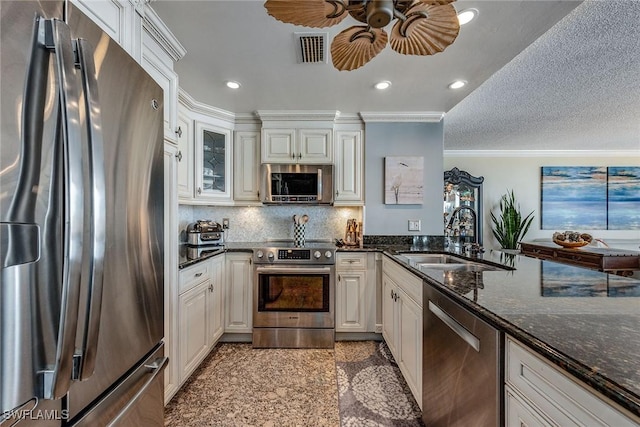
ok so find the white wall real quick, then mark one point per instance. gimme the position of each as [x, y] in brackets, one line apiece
[522, 174]
[403, 139]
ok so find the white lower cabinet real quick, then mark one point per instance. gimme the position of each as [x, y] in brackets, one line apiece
[215, 307]
[200, 312]
[402, 322]
[539, 394]
[194, 341]
[239, 293]
[355, 293]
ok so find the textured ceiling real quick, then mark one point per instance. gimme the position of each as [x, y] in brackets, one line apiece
[577, 87]
[573, 87]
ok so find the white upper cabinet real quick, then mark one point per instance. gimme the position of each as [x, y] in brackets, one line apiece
[279, 145]
[315, 146]
[185, 157]
[116, 18]
[246, 166]
[349, 169]
[305, 146]
[213, 156]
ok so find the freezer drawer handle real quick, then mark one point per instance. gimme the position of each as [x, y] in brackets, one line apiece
[456, 327]
[155, 369]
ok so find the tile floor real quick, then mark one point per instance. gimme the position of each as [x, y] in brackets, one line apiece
[355, 384]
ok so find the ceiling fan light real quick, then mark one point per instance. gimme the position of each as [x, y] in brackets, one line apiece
[379, 13]
[233, 85]
[467, 15]
[383, 85]
[457, 84]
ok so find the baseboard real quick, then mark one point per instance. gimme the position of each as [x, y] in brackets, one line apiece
[236, 337]
[358, 336]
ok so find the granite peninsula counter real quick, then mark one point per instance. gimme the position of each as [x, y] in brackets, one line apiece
[584, 321]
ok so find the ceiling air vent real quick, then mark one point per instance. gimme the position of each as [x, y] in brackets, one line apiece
[311, 47]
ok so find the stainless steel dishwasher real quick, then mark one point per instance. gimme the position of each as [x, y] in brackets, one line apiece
[460, 372]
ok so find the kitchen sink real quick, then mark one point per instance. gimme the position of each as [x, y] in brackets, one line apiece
[463, 266]
[414, 259]
[444, 262]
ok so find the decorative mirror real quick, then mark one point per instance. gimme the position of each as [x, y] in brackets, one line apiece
[462, 207]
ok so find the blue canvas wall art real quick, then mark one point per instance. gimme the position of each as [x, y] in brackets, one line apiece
[623, 191]
[574, 197]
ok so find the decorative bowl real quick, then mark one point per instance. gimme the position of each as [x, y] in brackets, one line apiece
[566, 244]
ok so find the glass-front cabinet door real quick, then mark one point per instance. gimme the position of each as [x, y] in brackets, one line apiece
[462, 207]
[213, 163]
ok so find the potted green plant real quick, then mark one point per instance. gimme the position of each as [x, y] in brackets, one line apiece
[511, 227]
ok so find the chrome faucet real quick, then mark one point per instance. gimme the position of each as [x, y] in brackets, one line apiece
[474, 248]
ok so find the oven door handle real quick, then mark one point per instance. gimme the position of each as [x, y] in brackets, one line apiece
[293, 270]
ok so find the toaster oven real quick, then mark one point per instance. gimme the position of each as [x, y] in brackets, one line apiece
[205, 233]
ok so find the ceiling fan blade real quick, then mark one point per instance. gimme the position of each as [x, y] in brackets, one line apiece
[436, 2]
[429, 29]
[356, 46]
[309, 13]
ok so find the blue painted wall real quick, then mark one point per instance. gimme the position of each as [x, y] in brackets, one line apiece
[403, 139]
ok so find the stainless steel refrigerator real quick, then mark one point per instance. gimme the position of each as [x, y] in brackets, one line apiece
[81, 224]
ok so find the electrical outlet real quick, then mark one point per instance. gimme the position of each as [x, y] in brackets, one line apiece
[225, 223]
[414, 225]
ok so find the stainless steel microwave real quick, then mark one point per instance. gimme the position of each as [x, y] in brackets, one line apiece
[293, 183]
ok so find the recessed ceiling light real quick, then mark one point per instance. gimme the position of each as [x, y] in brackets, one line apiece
[233, 85]
[457, 84]
[467, 15]
[383, 85]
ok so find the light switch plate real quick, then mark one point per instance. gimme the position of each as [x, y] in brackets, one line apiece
[414, 225]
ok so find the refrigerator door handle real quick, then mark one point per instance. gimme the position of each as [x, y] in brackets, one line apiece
[86, 355]
[57, 37]
[155, 369]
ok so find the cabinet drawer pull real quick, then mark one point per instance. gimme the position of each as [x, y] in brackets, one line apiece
[198, 274]
[179, 156]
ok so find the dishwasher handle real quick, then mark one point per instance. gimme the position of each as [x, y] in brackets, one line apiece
[456, 327]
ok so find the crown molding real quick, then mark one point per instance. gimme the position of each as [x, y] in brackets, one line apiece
[162, 34]
[349, 119]
[198, 107]
[402, 116]
[542, 153]
[247, 118]
[293, 115]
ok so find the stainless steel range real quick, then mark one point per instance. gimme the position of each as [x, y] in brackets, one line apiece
[294, 296]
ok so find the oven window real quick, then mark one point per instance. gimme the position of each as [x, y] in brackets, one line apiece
[294, 184]
[293, 292]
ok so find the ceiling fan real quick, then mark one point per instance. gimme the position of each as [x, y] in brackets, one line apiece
[423, 27]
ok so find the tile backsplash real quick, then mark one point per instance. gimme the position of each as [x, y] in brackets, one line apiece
[261, 223]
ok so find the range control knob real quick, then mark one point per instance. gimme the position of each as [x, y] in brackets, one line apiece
[259, 254]
[328, 254]
[317, 254]
[270, 256]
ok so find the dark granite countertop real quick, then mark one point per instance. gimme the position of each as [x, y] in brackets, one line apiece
[586, 322]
